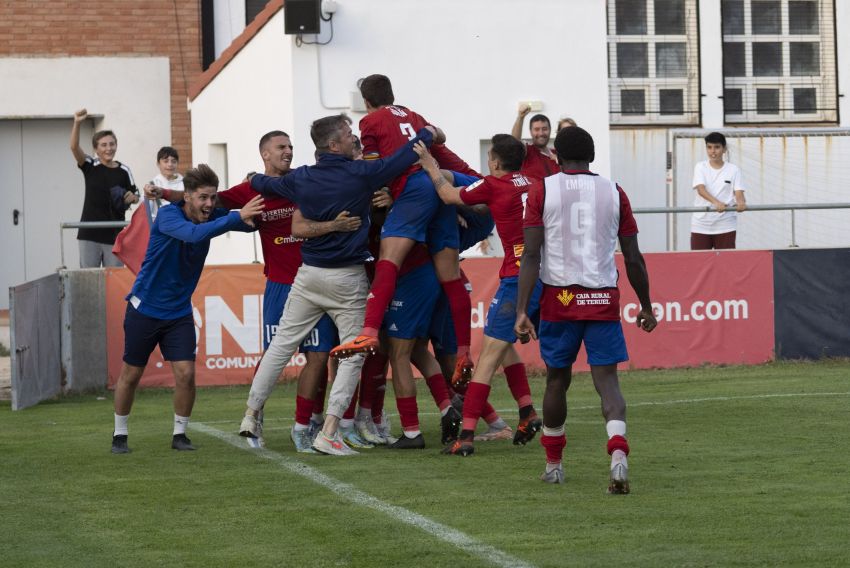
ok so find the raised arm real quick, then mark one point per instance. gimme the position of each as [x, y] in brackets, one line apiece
[522, 111]
[78, 153]
[304, 228]
[639, 280]
[174, 224]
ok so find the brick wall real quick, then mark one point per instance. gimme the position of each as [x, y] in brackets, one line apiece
[170, 28]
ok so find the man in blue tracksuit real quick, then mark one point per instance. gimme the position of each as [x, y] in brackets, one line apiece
[331, 279]
[159, 307]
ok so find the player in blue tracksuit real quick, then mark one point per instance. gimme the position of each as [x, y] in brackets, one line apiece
[159, 307]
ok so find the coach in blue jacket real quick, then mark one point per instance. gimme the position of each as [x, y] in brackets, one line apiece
[159, 307]
[331, 279]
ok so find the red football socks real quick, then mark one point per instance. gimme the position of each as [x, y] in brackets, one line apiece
[489, 414]
[554, 446]
[437, 386]
[461, 309]
[408, 413]
[473, 404]
[383, 288]
[352, 407]
[618, 443]
[303, 410]
[319, 403]
[518, 383]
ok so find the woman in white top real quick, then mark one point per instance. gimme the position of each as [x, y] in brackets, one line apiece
[718, 184]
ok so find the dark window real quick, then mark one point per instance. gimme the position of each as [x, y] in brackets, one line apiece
[252, 8]
[669, 17]
[733, 17]
[632, 60]
[767, 101]
[767, 59]
[670, 60]
[632, 101]
[803, 17]
[805, 58]
[766, 17]
[734, 60]
[733, 101]
[672, 101]
[631, 17]
[805, 100]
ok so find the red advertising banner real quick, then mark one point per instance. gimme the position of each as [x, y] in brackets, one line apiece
[713, 307]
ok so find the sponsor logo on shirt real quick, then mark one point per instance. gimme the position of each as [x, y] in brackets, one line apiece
[565, 297]
[277, 214]
[286, 240]
[518, 252]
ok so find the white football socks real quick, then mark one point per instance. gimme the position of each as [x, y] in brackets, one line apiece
[180, 423]
[120, 425]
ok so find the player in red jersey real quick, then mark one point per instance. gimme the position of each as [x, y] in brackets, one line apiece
[577, 219]
[416, 216]
[504, 192]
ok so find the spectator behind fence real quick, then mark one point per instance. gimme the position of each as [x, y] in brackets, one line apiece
[540, 159]
[110, 190]
[718, 184]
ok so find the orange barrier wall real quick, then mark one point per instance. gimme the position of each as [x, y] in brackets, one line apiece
[714, 307]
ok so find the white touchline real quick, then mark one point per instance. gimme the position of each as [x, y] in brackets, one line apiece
[346, 491]
[628, 404]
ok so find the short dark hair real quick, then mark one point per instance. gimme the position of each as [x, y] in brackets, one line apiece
[715, 138]
[539, 118]
[201, 176]
[574, 143]
[377, 90]
[509, 151]
[269, 135]
[102, 134]
[325, 130]
[167, 152]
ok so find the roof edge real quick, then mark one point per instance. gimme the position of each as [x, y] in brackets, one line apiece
[205, 78]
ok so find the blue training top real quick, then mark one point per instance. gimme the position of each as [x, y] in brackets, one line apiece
[337, 184]
[175, 258]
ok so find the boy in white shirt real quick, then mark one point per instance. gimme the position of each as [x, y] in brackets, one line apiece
[168, 177]
[718, 184]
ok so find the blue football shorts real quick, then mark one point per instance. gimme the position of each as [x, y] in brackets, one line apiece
[603, 341]
[409, 314]
[501, 316]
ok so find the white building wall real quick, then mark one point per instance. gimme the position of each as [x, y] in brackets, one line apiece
[465, 78]
[711, 63]
[132, 94]
[842, 36]
[252, 95]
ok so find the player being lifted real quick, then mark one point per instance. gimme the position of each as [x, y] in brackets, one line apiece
[504, 192]
[417, 215]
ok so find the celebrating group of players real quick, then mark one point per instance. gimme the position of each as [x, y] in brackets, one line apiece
[400, 196]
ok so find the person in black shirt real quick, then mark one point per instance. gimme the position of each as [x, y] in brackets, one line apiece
[110, 190]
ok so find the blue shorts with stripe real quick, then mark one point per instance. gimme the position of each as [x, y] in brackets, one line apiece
[175, 337]
[603, 341]
[409, 313]
[501, 316]
[321, 338]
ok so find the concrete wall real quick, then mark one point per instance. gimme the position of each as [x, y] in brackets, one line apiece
[130, 93]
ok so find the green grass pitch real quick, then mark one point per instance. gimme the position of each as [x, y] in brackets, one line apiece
[735, 466]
